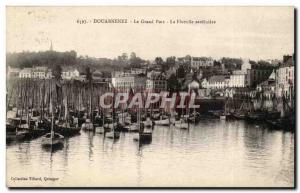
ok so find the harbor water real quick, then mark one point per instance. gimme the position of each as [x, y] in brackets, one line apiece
[213, 153]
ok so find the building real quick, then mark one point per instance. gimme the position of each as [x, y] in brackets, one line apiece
[216, 82]
[129, 82]
[201, 62]
[13, 72]
[41, 72]
[131, 72]
[253, 72]
[183, 60]
[285, 79]
[237, 80]
[156, 82]
[100, 77]
[69, 73]
[25, 73]
[267, 87]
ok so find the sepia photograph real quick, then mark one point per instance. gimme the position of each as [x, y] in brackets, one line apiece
[150, 97]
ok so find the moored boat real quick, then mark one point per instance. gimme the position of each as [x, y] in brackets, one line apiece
[163, 122]
[88, 125]
[181, 124]
[52, 139]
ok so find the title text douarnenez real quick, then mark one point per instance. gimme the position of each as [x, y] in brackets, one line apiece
[110, 21]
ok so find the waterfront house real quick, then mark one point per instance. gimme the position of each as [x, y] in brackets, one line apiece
[25, 73]
[237, 80]
[156, 81]
[285, 79]
[69, 73]
[13, 72]
[127, 81]
[40, 72]
[217, 82]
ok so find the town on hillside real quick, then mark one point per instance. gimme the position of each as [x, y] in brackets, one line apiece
[58, 91]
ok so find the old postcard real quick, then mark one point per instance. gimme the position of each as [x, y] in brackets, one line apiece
[150, 97]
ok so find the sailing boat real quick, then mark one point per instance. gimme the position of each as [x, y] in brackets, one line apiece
[144, 134]
[164, 121]
[241, 112]
[100, 129]
[181, 124]
[148, 123]
[223, 116]
[52, 139]
[113, 134]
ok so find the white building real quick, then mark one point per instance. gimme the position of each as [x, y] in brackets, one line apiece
[25, 73]
[216, 82]
[70, 73]
[131, 72]
[156, 81]
[237, 80]
[129, 82]
[201, 62]
[41, 72]
[285, 83]
[13, 72]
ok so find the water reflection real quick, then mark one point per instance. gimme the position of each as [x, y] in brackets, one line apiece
[212, 153]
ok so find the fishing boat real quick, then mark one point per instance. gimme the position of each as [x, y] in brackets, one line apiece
[255, 116]
[16, 135]
[67, 129]
[163, 121]
[113, 134]
[181, 124]
[109, 126]
[100, 129]
[271, 115]
[148, 123]
[52, 139]
[88, 125]
[144, 134]
[222, 117]
[239, 115]
[13, 130]
[133, 127]
[127, 120]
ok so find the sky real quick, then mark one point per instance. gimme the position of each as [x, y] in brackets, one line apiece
[243, 32]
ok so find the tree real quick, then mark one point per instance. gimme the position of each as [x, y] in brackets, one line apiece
[159, 61]
[135, 62]
[170, 61]
[188, 58]
[124, 57]
[132, 56]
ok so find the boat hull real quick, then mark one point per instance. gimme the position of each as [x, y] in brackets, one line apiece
[56, 141]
